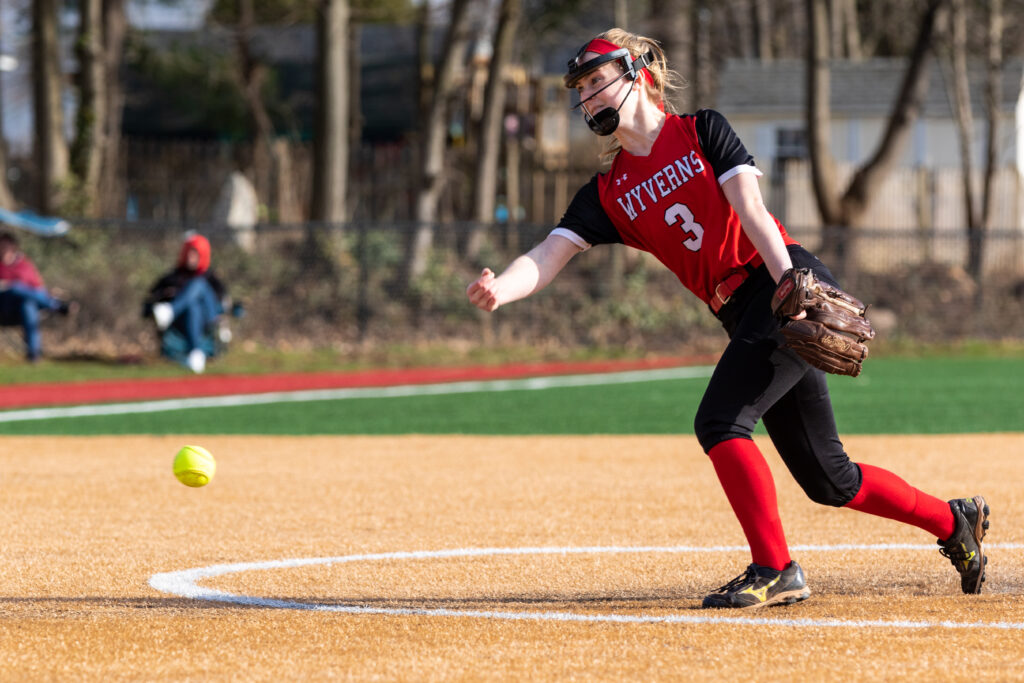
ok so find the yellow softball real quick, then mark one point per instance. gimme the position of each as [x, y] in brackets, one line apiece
[194, 466]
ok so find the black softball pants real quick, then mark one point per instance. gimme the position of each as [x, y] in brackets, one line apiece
[759, 379]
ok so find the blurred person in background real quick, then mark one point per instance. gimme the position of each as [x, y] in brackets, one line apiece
[187, 304]
[684, 188]
[23, 295]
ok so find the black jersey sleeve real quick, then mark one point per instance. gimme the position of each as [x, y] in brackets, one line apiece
[587, 218]
[720, 144]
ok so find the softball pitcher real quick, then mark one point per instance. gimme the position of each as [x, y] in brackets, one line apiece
[684, 188]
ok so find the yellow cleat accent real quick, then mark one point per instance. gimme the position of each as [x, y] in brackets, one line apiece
[762, 593]
[968, 557]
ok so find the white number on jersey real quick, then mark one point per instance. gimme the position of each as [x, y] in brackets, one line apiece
[693, 230]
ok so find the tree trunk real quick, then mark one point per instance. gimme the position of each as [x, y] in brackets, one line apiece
[492, 126]
[51, 149]
[90, 121]
[905, 110]
[669, 23]
[425, 66]
[331, 151]
[289, 209]
[513, 173]
[702, 64]
[432, 162]
[252, 76]
[621, 14]
[963, 116]
[115, 26]
[842, 213]
[353, 59]
[761, 13]
[819, 114]
[993, 97]
[6, 199]
[738, 22]
[835, 28]
[846, 30]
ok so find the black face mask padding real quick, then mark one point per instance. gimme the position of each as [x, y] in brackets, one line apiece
[605, 121]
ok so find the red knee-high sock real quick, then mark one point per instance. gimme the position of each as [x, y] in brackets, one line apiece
[884, 494]
[749, 486]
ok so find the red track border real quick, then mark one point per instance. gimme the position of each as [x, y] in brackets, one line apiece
[72, 393]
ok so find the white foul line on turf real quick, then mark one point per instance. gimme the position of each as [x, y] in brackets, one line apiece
[184, 583]
[527, 384]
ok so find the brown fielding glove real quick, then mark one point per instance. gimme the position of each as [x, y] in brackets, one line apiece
[832, 336]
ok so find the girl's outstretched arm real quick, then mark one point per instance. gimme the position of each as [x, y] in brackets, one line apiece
[527, 274]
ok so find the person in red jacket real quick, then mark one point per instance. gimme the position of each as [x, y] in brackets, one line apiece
[23, 294]
[190, 299]
[683, 188]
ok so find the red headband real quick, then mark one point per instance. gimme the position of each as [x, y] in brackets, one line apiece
[602, 47]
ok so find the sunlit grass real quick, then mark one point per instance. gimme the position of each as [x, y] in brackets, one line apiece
[892, 396]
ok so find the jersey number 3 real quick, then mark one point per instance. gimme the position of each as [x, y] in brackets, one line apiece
[693, 230]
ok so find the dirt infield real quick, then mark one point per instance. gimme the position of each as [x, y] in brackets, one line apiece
[90, 521]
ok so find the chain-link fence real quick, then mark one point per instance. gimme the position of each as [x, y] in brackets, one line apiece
[340, 287]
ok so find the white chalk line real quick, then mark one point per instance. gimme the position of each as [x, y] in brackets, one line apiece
[233, 400]
[184, 583]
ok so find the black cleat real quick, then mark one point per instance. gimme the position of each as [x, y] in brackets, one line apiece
[760, 586]
[963, 548]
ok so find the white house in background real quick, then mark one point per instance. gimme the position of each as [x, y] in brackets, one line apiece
[764, 101]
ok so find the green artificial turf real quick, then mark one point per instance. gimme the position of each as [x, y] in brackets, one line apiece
[893, 396]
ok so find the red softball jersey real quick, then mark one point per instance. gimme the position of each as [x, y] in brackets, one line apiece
[670, 203]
